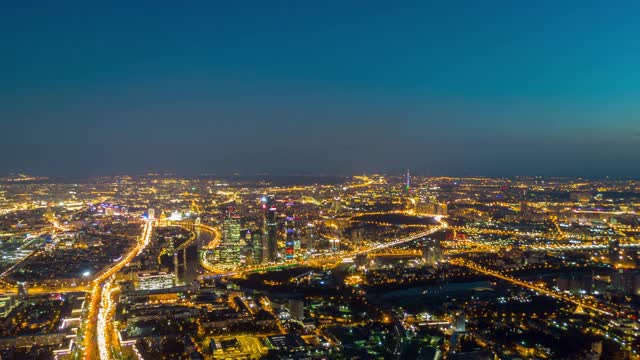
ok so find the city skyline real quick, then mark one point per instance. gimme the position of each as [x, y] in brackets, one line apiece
[491, 89]
[371, 266]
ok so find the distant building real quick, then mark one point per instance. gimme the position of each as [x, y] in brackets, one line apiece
[357, 235]
[23, 290]
[334, 245]
[361, 260]
[431, 252]
[7, 304]
[287, 342]
[151, 214]
[581, 197]
[155, 280]
[223, 348]
[337, 205]
[310, 242]
[296, 309]
[290, 230]
[176, 216]
[575, 282]
[616, 253]
[441, 209]
[407, 187]
[461, 322]
[626, 281]
[425, 207]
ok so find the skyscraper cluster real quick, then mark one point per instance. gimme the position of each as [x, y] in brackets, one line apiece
[230, 245]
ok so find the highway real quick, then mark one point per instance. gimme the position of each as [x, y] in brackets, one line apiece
[443, 225]
[100, 304]
[598, 308]
[576, 247]
[105, 307]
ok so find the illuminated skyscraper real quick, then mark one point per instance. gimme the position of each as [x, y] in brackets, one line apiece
[230, 245]
[408, 185]
[256, 247]
[311, 237]
[270, 233]
[289, 225]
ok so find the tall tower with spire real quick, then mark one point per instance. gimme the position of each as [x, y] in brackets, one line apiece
[408, 186]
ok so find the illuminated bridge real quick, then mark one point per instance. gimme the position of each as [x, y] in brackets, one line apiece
[397, 253]
[576, 247]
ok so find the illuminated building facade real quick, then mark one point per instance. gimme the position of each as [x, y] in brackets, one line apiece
[270, 233]
[256, 247]
[290, 230]
[230, 246]
[155, 280]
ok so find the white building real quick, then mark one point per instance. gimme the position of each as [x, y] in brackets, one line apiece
[155, 281]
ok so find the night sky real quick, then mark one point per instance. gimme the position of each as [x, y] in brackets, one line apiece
[320, 87]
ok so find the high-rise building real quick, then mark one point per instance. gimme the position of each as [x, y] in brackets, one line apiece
[266, 253]
[297, 246]
[616, 254]
[431, 252]
[337, 205]
[290, 230]
[256, 247]
[311, 237]
[408, 185]
[425, 207]
[441, 209]
[151, 214]
[230, 245]
[23, 290]
[574, 282]
[270, 232]
[461, 322]
[357, 235]
[361, 260]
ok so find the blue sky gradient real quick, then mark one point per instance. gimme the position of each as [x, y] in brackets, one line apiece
[462, 88]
